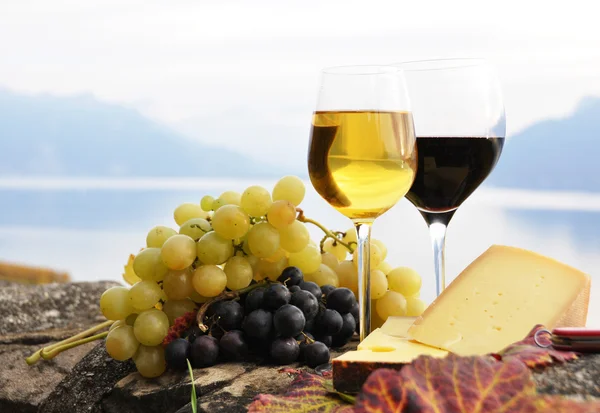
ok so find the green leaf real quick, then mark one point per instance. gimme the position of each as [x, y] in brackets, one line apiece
[194, 401]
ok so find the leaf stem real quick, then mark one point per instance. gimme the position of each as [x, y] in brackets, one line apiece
[327, 232]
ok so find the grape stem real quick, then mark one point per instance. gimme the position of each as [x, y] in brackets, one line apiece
[225, 295]
[327, 232]
[50, 354]
[75, 339]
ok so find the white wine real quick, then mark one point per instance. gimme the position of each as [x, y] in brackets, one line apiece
[362, 163]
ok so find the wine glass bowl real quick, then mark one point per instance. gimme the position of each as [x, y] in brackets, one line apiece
[362, 155]
[460, 127]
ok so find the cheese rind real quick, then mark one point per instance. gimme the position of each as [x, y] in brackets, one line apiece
[498, 299]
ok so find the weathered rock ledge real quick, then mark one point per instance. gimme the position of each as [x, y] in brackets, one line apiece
[85, 379]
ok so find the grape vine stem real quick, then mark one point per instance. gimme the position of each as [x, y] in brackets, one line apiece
[327, 232]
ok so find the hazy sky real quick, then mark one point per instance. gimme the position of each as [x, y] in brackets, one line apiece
[233, 73]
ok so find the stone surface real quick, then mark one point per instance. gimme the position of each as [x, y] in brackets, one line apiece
[85, 379]
[34, 316]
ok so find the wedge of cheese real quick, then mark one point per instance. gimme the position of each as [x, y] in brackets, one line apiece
[499, 298]
[397, 326]
[378, 350]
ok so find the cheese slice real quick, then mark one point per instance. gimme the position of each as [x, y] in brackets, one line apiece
[405, 355]
[499, 298]
[397, 326]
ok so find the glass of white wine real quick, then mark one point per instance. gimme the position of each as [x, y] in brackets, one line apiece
[362, 155]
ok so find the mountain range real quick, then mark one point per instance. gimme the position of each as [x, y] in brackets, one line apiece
[554, 154]
[44, 135]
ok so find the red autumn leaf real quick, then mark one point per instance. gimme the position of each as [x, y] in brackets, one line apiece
[528, 352]
[306, 394]
[450, 384]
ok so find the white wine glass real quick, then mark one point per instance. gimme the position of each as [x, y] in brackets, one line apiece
[362, 155]
[460, 127]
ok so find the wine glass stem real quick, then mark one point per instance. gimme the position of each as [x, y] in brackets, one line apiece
[363, 235]
[437, 231]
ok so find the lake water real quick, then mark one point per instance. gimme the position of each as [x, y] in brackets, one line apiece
[88, 227]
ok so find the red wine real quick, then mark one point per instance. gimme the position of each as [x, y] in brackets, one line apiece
[450, 169]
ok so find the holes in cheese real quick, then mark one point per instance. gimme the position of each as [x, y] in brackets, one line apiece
[498, 299]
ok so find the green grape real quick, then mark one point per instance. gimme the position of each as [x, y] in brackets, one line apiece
[145, 295]
[115, 304]
[246, 245]
[206, 203]
[281, 214]
[391, 304]
[178, 252]
[348, 276]
[405, 281]
[330, 260]
[338, 250]
[148, 265]
[385, 267]
[187, 211]
[177, 308]
[121, 343]
[271, 270]
[375, 254]
[279, 254]
[151, 327]
[130, 320]
[350, 236]
[231, 222]
[177, 285]
[379, 284]
[195, 228]
[289, 188]
[308, 260]
[117, 324]
[197, 298]
[381, 246]
[227, 198]
[212, 249]
[158, 235]
[239, 273]
[209, 280]
[150, 361]
[256, 201]
[414, 306]
[295, 237]
[323, 276]
[263, 240]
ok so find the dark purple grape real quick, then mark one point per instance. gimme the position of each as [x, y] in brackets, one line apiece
[229, 315]
[327, 340]
[291, 276]
[193, 333]
[275, 296]
[285, 350]
[306, 302]
[356, 314]
[309, 326]
[329, 322]
[254, 300]
[216, 332]
[233, 345]
[326, 289]
[177, 353]
[341, 299]
[289, 321]
[303, 340]
[204, 352]
[348, 327]
[316, 354]
[311, 287]
[258, 324]
[294, 288]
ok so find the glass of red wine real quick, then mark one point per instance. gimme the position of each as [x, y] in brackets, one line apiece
[460, 127]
